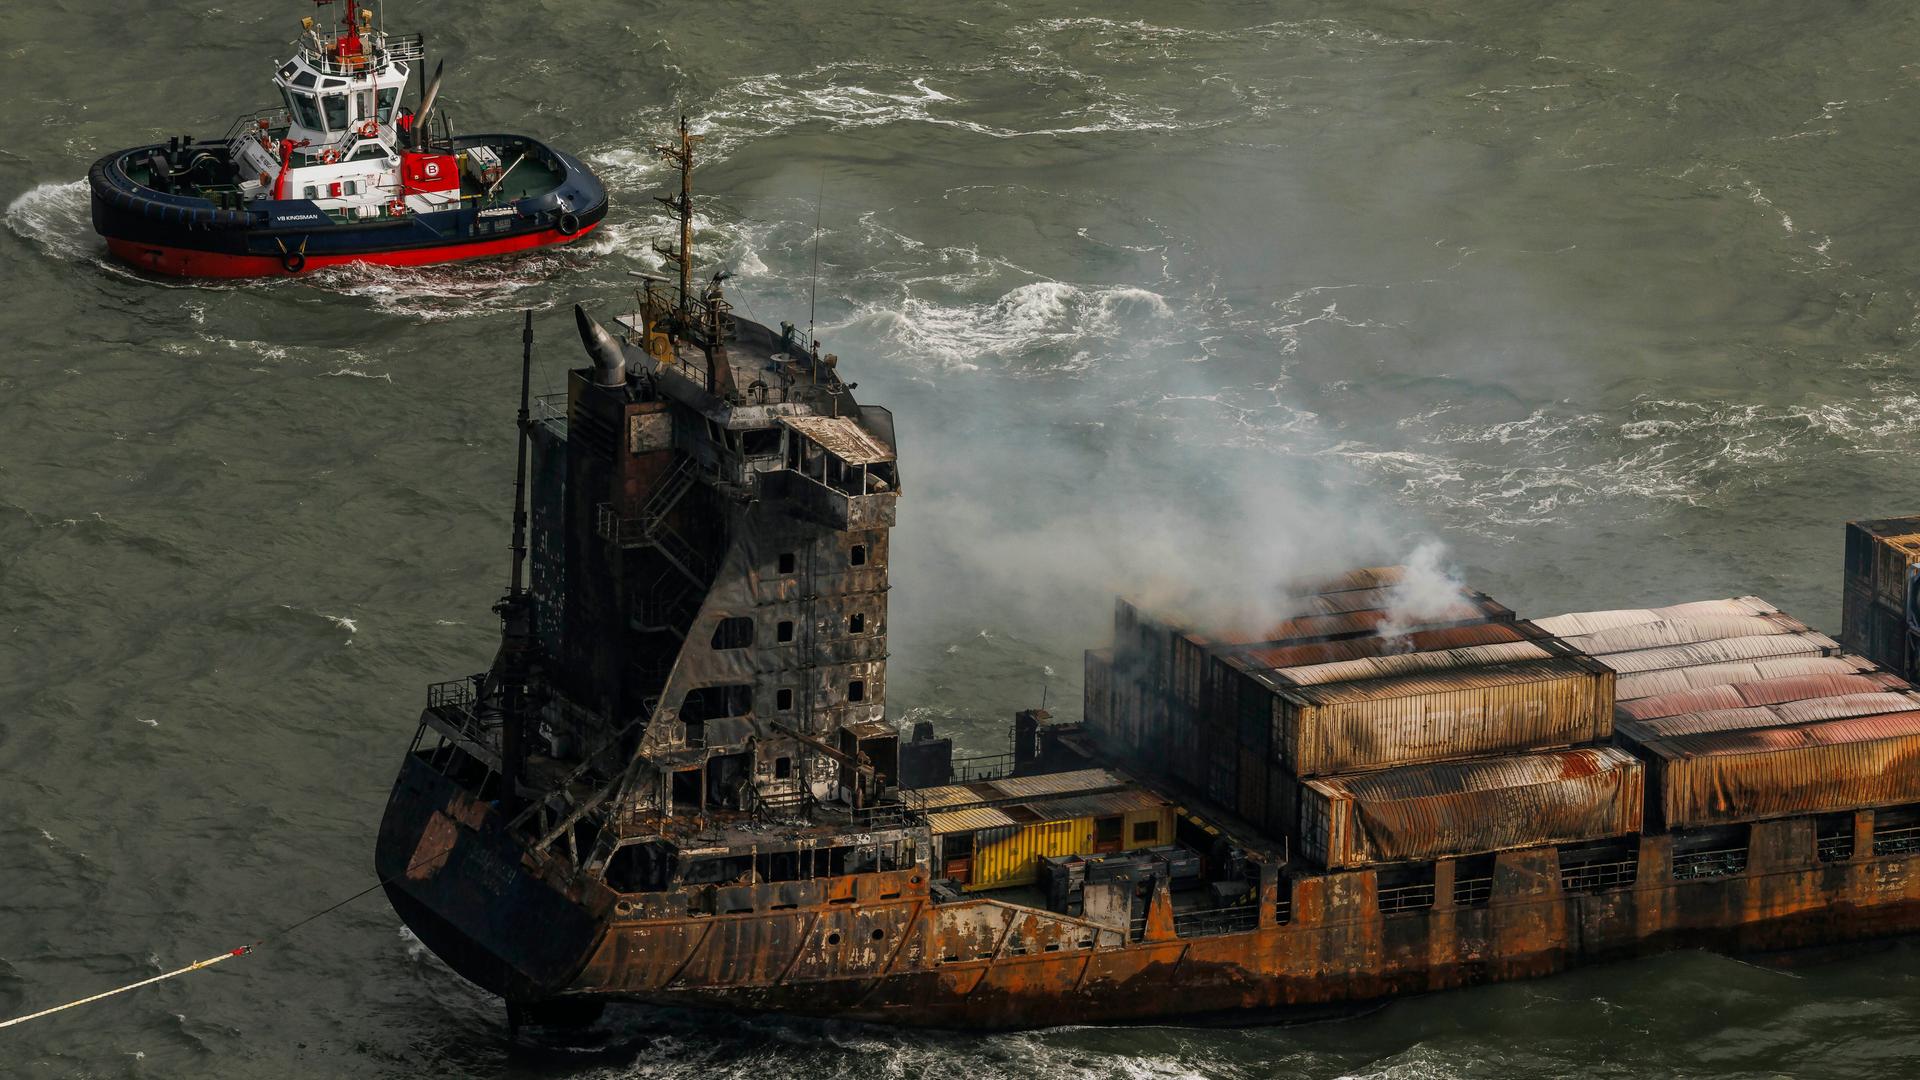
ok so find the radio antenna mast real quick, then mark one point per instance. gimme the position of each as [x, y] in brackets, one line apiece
[681, 155]
[813, 298]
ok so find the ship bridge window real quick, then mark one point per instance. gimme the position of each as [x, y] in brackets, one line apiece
[734, 633]
[305, 78]
[304, 110]
[716, 703]
[336, 106]
[387, 99]
[761, 442]
[363, 105]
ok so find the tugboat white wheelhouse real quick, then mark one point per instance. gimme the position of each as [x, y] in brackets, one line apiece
[340, 170]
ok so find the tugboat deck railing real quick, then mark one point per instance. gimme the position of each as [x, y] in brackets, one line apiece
[386, 49]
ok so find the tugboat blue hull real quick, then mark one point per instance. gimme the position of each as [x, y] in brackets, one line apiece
[187, 235]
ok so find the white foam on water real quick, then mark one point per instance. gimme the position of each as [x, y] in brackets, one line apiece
[57, 217]
[1090, 325]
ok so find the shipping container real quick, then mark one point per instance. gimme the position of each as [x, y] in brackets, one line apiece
[1412, 663]
[1894, 559]
[1761, 692]
[1283, 803]
[1468, 807]
[1663, 632]
[1836, 765]
[1251, 800]
[1673, 680]
[1889, 639]
[1347, 727]
[1856, 616]
[1726, 650]
[1419, 641]
[1593, 622]
[1097, 709]
[1759, 716]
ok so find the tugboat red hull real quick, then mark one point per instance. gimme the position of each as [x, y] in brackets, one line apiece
[190, 263]
[201, 233]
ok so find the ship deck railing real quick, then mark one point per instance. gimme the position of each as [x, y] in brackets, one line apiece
[276, 115]
[1901, 841]
[1720, 862]
[1209, 922]
[979, 767]
[388, 48]
[1596, 876]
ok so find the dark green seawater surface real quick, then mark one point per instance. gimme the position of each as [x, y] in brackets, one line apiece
[1616, 301]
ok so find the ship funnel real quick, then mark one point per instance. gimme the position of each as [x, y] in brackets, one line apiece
[609, 362]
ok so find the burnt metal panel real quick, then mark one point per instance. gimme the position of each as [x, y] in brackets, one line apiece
[1673, 680]
[1344, 727]
[1731, 776]
[1327, 652]
[1463, 807]
[1759, 716]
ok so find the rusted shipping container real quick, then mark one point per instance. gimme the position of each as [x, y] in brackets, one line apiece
[1462, 807]
[1835, 765]
[1413, 663]
[1347, 727]
[1683, 631]
[1894, 560]
[1419, 641]
[1578, 623]
[1251, 801]
[1673, 680]
[1725, 650]
[1856, 616]
[1283, 803]
[1762, 692]
[1891, 647]
[1758, 716]
[1097, 705]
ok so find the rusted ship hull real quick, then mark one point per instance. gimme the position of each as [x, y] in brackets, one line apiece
[471, 893]
[876, 948]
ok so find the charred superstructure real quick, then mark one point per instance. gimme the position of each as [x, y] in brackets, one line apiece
[677, 782]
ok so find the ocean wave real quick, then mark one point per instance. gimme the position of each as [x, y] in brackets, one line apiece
[1042, 327]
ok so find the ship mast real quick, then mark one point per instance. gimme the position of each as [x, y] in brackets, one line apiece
[516, 629]
[681, 155]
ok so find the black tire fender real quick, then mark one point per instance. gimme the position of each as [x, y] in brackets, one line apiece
[293, 261]
[566, 223]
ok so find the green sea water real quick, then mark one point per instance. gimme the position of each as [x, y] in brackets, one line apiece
[1613, 302]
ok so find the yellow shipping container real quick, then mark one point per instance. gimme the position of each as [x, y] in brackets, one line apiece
[1014, 858]
[1004, 844]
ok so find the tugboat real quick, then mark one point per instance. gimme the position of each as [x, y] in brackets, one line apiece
[340, 171]
[677, 782]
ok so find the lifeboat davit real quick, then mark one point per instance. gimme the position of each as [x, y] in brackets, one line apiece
[341, 170]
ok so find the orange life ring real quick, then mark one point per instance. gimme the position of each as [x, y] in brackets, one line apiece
[369, 128]
[329, 155]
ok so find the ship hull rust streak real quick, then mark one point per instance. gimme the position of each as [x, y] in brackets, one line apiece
[822, 956]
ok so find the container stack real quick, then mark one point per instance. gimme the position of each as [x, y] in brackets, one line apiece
[1877, 604]
[1742, 713]
[1368, 734]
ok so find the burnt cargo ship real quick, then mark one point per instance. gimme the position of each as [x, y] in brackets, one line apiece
[677, 782]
